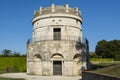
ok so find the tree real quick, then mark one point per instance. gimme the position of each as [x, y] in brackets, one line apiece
[102, 49]
[16, 54]
[6, 52]
[115, 49]
[108, 49]
[10, 53]
[93, 55]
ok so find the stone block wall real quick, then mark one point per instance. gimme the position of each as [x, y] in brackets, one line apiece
[41, 55]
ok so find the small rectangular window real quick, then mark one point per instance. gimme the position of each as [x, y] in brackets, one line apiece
[57, 33]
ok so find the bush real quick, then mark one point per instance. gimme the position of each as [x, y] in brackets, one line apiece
[13, 64]
[117, 57]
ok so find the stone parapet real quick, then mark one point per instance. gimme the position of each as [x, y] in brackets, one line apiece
[57, 9]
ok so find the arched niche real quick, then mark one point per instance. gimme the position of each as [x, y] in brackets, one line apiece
[37, 57]
[36, 65]
[77, 65]
[77, 58]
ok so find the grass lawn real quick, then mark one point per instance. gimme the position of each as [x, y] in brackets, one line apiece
[108, 63]
[101, 59]
[112, 70]
[102, 64]
[10, 79]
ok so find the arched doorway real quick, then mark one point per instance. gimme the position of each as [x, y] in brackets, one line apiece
[57, 62]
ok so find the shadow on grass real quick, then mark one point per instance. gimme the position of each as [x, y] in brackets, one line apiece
[102, 65]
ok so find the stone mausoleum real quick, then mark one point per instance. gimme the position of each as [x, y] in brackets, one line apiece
[57, 46]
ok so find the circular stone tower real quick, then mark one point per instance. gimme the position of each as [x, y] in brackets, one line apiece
[54, 49]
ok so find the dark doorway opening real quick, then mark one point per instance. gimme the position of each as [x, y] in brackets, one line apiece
[57, 33]
[57, 67]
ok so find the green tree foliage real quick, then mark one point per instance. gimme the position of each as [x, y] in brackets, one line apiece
[108, 49]
[101, 48]
[10, 53]
[92, 55]
[16, 54]
[6, 52]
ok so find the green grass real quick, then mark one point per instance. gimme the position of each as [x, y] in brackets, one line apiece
[107, 67]
[12, 64]
[10, 79]
[112, 70]
[108, 63]
[101, 59]
[102, 64]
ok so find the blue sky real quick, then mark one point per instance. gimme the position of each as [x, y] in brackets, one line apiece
[101, 20]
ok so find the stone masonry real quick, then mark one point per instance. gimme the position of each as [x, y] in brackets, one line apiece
[55, 48]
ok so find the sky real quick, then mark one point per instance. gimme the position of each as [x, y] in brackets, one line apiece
[101, 20]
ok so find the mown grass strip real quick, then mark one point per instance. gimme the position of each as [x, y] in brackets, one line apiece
[101, 59]
[10, 79]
